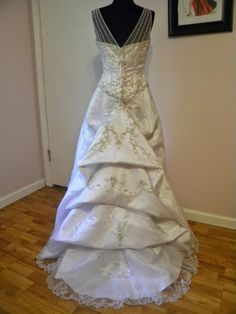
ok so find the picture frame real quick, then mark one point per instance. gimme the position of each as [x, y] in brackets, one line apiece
[194, 17]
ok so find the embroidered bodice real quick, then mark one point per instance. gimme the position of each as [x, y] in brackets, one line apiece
[123, 67]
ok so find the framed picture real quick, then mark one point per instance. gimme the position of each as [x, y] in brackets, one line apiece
[192, 17]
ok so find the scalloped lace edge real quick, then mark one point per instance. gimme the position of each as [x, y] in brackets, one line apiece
[170, 294]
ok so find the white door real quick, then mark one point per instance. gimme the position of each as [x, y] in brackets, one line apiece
[72, 68]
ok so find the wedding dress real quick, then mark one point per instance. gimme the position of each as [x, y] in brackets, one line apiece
[119, 236]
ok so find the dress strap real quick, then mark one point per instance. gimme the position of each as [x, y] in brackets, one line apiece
[141, 31]
[143, 28]
[101, 29]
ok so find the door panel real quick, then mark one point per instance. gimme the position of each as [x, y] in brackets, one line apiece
[72, 68]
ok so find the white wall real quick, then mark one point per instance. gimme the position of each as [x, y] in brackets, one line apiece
[21, 163]
[193, 83]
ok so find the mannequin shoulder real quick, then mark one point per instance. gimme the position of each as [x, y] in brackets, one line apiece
[153, 13]
[102, 9]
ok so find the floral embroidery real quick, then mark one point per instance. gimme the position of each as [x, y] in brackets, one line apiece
[121, 185]
[110, 132]
[117, 230]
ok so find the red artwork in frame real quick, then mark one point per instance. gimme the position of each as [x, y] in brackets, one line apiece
[192, 17]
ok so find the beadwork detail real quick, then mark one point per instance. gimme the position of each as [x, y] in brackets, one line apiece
[123, 74]
[116, 269]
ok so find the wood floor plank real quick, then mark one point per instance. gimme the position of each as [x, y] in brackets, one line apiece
[37, 304]
[44, 293]
[25, 227]
[9, 305]
[228, 302]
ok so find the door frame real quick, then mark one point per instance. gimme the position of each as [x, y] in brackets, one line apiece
[41, 90]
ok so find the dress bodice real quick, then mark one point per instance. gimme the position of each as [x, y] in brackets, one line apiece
[123, 67]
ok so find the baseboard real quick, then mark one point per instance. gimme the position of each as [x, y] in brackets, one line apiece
[210, 219]
[18, 194]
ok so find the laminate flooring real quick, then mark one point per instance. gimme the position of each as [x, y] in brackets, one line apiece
[25, 226]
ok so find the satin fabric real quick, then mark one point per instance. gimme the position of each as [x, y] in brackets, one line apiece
[119, 235]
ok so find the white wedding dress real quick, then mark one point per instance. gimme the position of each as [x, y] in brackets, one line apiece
[119, 235]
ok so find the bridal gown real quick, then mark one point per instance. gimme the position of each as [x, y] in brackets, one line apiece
[120, 236]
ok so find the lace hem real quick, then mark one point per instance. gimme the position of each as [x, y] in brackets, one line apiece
[170, 294]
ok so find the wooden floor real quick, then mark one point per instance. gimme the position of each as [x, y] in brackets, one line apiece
[25, 227]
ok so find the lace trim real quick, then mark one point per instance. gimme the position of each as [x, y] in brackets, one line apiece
[170, 294]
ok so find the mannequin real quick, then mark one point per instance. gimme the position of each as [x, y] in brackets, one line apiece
[121, 17]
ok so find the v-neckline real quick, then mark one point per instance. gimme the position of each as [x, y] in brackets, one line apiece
[110, 33]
